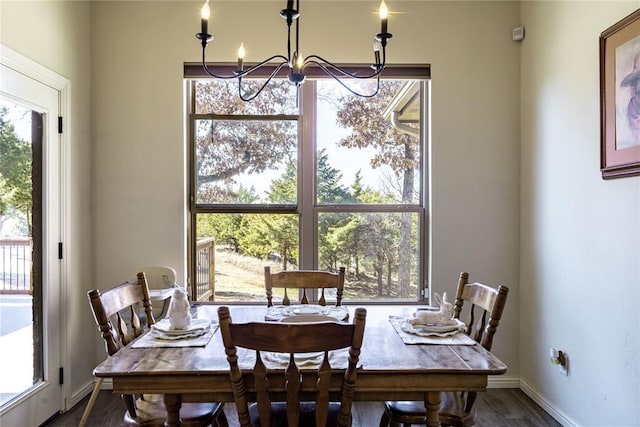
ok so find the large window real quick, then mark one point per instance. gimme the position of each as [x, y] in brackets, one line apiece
[319, 181]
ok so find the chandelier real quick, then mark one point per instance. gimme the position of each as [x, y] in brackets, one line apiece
[295, 61]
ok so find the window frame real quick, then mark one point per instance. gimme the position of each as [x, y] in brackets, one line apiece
[306, 208]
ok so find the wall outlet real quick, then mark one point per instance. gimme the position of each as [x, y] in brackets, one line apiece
[560, 359]
[564, 368]
[517, 34]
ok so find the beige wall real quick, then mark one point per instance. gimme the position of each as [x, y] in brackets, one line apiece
[138, 135]
[56, 34]
[580, 235]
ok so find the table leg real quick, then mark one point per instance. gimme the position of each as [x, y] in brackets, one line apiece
[172, 403]
[432, 405]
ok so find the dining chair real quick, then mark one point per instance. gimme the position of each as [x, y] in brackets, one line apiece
[304, 279]
[292, 396]
[122, 314]
[480, 306]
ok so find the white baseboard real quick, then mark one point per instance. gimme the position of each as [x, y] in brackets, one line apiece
[503, 381]
[552, 409]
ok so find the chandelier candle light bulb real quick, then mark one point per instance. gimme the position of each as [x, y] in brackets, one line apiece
[240, 57]
[299, 62]
[384, 14]
[205, 13]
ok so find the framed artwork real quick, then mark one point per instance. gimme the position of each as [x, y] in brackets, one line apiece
[620, 98]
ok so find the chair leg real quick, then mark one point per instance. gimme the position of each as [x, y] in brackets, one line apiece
[385, 420]
[221, 421]
[92, 401]
[471, 398]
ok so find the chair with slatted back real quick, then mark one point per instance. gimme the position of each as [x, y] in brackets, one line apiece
[480, 307]
[292, 395]
[123, 313]
[304, 279]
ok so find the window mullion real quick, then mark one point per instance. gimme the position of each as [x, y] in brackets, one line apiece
[306, 178]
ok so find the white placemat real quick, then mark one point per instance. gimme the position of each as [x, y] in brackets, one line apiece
[459, 338]
[148, 340]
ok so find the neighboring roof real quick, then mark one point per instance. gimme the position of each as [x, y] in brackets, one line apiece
[406, 103]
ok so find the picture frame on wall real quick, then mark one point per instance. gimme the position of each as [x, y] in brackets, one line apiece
[620, 98]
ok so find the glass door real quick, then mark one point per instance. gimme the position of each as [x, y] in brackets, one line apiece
[30, 390]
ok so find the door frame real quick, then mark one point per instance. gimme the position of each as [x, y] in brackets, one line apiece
[35, 71]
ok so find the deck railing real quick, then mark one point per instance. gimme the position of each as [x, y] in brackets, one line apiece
[205, 270]
[15, 266]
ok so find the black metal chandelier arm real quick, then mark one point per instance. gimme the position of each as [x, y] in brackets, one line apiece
[271, 76]
[327, 66]
[260, 64]
[344, 85]
[211, 73]
[237, 74]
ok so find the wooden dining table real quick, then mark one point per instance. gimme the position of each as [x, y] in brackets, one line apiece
[388, 370]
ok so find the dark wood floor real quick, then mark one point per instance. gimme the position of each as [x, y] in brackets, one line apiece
[496, 408]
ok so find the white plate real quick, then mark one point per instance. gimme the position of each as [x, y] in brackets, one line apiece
[197, 325]
[448, 326]
[300, 358]
[432, 330]
[309, 318]
[304, 309]
[177, 336]
[435, 328]
[278, 313]
[429, 308]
